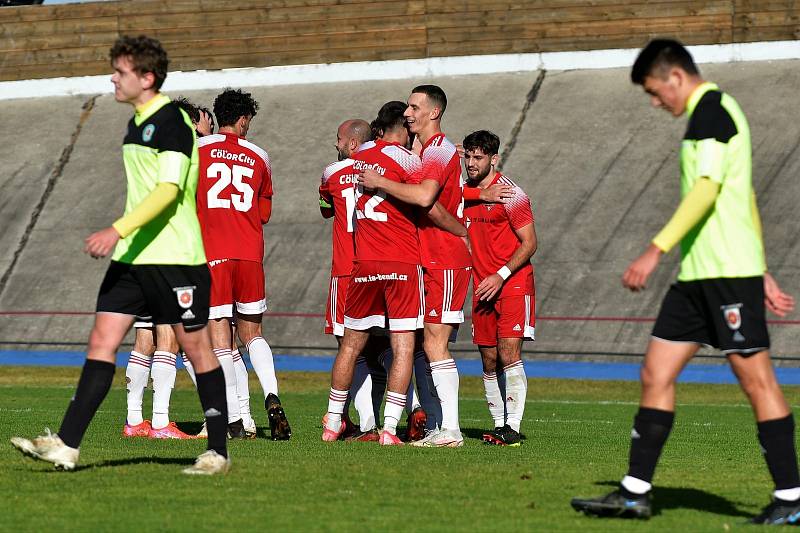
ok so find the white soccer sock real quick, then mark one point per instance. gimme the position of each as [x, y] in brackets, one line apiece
[636, 485]
[788, 495]
[242, 388]
[516, 393]
[395, 403]
[231, 396]
[361, 392]
[427, 390]
[336, 401]
[189, 369]
[163, 372]
[261, 359]
[136, 377]
[445, 379]
[494, 398]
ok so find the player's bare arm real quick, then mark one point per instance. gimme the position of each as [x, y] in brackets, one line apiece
[423, 194]
[444, 220]
[490, 286]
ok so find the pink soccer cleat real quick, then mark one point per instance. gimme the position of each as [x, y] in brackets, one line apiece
[139, 430]
[170, 431]
[387, 439]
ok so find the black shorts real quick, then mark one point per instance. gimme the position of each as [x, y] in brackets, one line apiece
[727, 313]
[161, 294]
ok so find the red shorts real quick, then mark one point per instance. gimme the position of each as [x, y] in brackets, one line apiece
[381, 292]
[236, 281]
[445, 294]
[510, 317]
[334, 310]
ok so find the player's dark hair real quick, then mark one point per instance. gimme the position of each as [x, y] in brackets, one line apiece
[389, 117]
[435, 94]
[660, 55]
[146, 54]
[232, 104]
[485, 140]
[192, 110]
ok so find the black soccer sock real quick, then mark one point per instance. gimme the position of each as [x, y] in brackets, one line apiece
[211, 388]
[777, 444]
[651, 428]
[93, 385]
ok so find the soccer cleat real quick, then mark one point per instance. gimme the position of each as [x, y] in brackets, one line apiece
[251, 431]
[50, 448]
[330, 435]
[415, 424]
[278, 425]
[441, 438]
[208, 464]
[615, 505]
[779, 512]
[387, 439]
[203, 433]
[139, 430]
[170, 431]
[504, 436]
[488, 437]
[371, 435]
[236, 430]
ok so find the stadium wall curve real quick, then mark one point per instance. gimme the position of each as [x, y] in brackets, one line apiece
[600, 165]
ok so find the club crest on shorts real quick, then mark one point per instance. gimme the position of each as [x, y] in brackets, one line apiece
[733, 318]
[147, 132]
[185, 296]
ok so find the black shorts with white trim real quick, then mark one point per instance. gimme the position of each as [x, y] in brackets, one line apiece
[727, 313]
[169, 294]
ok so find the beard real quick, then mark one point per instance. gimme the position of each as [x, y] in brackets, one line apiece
[479, 176]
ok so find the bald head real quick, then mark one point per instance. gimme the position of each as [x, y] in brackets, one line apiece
[350, 135]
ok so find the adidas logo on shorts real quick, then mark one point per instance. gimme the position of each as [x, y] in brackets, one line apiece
[517, 328]
[432, 313]
[188, 315]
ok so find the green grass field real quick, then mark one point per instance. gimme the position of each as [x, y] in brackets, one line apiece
[711, 476]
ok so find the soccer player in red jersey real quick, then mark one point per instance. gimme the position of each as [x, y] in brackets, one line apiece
[445, 259]
[385, 283]
[234, 200]
[337, 200]
[503, 240]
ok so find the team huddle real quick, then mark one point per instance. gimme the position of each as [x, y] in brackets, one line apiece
[408, 235]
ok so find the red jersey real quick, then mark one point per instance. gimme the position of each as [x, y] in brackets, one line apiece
[491, 235]
[337, 188]
[385, 228]
[441, 249]
[234, 174]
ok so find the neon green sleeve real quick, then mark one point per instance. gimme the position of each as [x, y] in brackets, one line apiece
[162, 197]
[692, 209]
[757, 224]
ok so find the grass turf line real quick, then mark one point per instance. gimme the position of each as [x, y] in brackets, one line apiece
[711, 474]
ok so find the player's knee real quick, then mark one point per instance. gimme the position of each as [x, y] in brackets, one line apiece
[758, 386]
[652, 379]
[101, 340]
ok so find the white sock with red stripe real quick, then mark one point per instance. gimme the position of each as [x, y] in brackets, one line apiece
[242, 388]
[231, 395]
[261, 359]
[336, 401]
[494, 398]
[516, 393]
[445, 379]
[163, 373]
[136, 377]
[395, 403]
[361, 392]
[427, 390]
[189, 369]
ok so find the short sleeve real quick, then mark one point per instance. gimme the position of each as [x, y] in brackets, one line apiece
[519, 210]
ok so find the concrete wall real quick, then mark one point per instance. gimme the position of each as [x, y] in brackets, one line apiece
[600, 165]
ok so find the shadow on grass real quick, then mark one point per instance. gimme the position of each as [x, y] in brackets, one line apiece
[665, 498]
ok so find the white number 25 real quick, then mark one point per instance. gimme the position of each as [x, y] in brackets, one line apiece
[224, 176]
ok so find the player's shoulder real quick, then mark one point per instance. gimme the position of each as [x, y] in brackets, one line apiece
[260, 152]
[369, 145]
[335, 168]
[712, 119]
[407, 159]
[207, 140]
[439, 147]
[505, 180]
